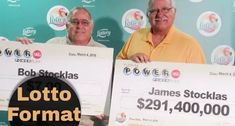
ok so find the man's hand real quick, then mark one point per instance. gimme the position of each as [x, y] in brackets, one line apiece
[103, 118]
[24, 40]
[140, 58]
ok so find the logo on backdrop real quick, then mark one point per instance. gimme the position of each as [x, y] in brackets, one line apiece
[3, 38]
[88, 3]
[56, 17]
[209, 23]
[13, 3]
[196, 1]
[29, 32]
[23, 56]
[133, 20]
[103, 34]
[121, 117]
[223, 55]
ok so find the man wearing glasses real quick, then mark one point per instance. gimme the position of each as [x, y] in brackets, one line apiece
[79, 29]
[162, 41]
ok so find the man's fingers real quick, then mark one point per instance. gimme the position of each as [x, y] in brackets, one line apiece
[146, 58]
[24, 40]
[143, 58]
[136, 59]
[140, 58]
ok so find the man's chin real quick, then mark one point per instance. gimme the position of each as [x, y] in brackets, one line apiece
[82, 40]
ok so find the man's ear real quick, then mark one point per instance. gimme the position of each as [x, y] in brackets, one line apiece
[67, 26]
[147, 14]
[92, 26]
[175, 10]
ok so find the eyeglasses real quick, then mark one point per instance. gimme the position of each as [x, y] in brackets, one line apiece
[83, 22]
[164, 10]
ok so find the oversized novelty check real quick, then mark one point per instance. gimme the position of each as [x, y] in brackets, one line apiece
[172, 94]
[88, 69]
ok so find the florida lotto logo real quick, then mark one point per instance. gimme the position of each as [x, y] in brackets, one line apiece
[223, 55]
[133, 20]
[162, 75]
[56, 17]
[209, 23]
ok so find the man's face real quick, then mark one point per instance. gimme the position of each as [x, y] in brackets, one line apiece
[161, 15]
[80, 27]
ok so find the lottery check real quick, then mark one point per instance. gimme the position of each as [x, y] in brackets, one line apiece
[172, 94]
[87, 69]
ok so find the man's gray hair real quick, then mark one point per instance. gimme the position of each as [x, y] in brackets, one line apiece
[69, 16]
[150, 4]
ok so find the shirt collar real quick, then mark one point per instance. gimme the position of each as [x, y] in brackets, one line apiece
[166, 40]
[90, 43]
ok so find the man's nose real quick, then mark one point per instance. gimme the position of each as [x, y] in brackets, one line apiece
[79, 25]
[158, 13]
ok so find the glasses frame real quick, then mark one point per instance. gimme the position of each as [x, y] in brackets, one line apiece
[163, 10]
[83, 22]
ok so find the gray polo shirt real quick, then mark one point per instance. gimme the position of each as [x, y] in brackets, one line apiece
[66, 41]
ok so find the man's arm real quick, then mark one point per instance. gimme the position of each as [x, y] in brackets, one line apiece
[123, 52]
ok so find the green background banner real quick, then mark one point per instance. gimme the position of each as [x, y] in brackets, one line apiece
[3, 118]
[211, 22]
